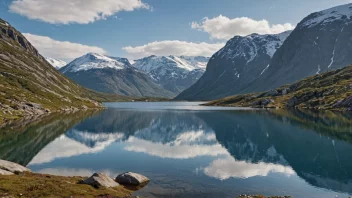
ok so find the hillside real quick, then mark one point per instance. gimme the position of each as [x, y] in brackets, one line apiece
[330, 90]
[113, 75]
[321, 42]
[29, 85]
[232, 68]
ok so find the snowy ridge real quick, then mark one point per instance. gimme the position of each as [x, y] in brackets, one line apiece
[330, 15]
[250, 46]
[96, 61]
[172, 66]
[188, 63]
[58, 64]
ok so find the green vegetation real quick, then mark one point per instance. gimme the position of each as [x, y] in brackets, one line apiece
[41, 185]
[331, 90]
[29, 85]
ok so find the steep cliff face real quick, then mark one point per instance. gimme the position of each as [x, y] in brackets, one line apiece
[321, 42]
[231, 69]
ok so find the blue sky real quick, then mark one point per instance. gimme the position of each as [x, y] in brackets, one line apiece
[147, 21]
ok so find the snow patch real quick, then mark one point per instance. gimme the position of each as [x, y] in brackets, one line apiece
[265, 69]
[96, 61]
[330, 15]
[58, 64]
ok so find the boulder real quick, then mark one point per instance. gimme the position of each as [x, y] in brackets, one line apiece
[4, 172]
[272, 93]
[130, 178]
[263, 102]
[12, 167]
[285, 91]
[98, 180]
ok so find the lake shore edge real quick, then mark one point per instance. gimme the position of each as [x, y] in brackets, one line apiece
[19, 181]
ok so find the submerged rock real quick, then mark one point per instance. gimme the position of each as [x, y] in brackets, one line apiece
[98, 180]
[131, 179]
[12, 167]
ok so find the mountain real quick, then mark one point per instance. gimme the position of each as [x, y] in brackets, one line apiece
[112, 75]
[330, 90]
[29, 85]
[242, 60]
[174, 73]
[321, 42]
[58, 64]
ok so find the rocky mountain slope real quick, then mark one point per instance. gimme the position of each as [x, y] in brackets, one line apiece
[29, 85]
[172, 72]
[231, 69]
[112, 75]
[58, 64]
[330, 90]
[321, 42]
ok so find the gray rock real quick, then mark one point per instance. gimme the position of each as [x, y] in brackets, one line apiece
[12, 167]
[285, 91]
[263, 102]
[292, 102]
[272, 93]
[98, 180]
[4, 172]
[131, 179]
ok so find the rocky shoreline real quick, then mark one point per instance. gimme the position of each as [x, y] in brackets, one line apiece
[19, 181]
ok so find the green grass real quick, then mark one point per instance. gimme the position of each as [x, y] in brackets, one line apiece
[42, 185]
[25, 77]
[317, 92]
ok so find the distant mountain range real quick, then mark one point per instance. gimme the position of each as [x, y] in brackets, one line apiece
[112, 75]
[174, 73]
[153, 76]
[320, 42]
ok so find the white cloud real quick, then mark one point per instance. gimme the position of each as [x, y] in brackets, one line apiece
[172, 151]
[226, 168]
[73, 11]
[173, 47]
[224, 28]
[64, 147]
[60, 49]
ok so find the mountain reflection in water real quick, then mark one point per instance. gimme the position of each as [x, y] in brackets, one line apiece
[200, 153]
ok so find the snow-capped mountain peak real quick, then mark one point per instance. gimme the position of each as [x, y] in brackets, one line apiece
[58, 64]
[329, 15]
[96, 61]
[250, 46]
[186, 63]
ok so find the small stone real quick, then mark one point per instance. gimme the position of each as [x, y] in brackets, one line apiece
[98, 180]
[131, 179]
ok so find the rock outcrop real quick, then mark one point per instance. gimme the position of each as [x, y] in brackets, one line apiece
[130, 178]
[98, 180]
[10, 167]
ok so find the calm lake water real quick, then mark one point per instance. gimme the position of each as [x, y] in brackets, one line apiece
[189, 150]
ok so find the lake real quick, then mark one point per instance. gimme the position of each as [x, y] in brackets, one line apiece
[189, 150]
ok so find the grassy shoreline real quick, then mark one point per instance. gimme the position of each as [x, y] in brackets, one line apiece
[44, 185]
